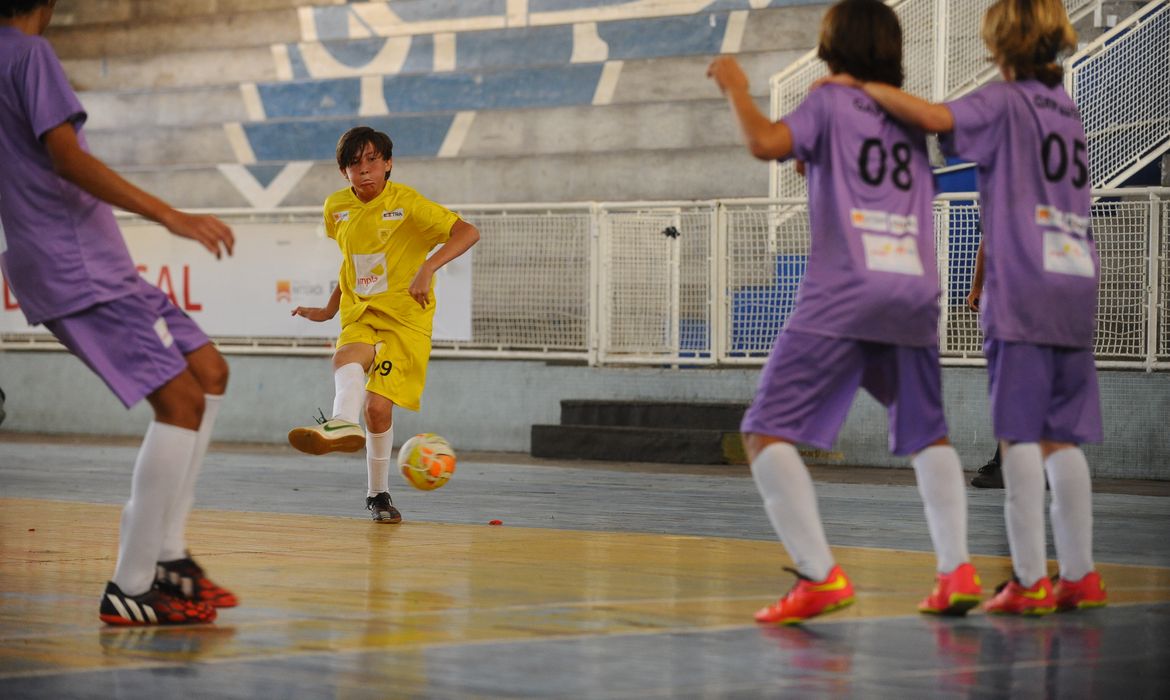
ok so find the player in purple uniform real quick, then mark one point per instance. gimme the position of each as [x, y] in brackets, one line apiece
[866, 315]
[65, 259]
[1039, 294]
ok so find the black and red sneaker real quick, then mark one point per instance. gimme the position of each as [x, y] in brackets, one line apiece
[185, 579]
[154, 607]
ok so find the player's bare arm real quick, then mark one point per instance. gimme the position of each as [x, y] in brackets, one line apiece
[73, 163]
[463, 236]
[843, 79]
[908, 109]
[321, 313]
[767, 140]
[976, 281]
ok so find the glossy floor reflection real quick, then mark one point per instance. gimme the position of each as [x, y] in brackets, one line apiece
[441, 607]
[1086, 656]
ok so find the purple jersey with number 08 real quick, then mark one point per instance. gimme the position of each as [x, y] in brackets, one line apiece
[1040, 260]
[871, 271]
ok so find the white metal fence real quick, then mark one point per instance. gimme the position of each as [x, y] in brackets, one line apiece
[532, 280]
[1121, 83]
[706, 283]
[765, 246]
[712, 283]
[1159, 276]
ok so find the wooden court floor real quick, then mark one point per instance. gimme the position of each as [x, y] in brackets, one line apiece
[651, 598]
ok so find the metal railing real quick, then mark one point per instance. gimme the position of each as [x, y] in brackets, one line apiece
[713, 282]
[1121, 84]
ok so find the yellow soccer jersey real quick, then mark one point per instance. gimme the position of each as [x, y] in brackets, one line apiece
[383, 244]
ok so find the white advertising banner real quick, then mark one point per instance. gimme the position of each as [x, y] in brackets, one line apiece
[276, 268]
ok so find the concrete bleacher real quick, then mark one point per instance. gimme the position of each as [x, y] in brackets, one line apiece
[243, 107]
[71, 13]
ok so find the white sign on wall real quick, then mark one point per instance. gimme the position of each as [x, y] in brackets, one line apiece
[276, 267]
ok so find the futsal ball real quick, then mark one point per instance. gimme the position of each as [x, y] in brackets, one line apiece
[426, 461]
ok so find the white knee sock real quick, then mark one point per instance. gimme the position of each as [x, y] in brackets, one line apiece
[175, 540]
[1072, 511]
[940, 483]
[379, 446]
[791, 504]
[158, 475]
[1023, 478]
[349, 385]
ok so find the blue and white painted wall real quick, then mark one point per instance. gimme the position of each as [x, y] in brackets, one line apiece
[422, 70]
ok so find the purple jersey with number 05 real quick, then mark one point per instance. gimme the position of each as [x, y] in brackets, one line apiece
[871, 265]
[1040, 260]
[60, 247]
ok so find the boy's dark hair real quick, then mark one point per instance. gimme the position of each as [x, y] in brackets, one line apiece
[353, 142]
[864, 39]
[16, 8]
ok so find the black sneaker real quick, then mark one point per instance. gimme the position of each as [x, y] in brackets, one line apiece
[989, 476]
[153, 607]
[186, 579]
[382, 509]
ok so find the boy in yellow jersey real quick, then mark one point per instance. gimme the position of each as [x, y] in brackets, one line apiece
[385, 293]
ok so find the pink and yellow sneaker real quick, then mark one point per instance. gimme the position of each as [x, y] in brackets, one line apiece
[1089, 592]
[1011, 598]
[809, 598]
[954, 593]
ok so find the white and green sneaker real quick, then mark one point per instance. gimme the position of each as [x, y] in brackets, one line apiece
[333, 435]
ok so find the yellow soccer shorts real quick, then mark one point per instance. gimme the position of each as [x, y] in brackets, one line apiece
[401, 354]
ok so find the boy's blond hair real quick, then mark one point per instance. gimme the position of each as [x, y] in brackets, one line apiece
[1025, 36]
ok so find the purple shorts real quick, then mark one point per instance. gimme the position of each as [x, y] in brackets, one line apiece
[1043, 392]
[808, 385]
[136, 343]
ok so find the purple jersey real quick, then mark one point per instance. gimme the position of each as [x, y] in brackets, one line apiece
[61, 248]
[871, 265]
[1040, 260]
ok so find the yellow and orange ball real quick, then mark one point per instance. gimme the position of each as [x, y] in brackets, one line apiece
[427, 461]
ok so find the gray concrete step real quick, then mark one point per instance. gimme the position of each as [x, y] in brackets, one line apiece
[162, 146]
[628, 175]
[655, 104]
[673, 79]
[487, 133]
[224, 32]
[262, 46]
[634, 444]
[614, 128]
[187, 107]
[91, 12]
[173, 68]
[701, 415]
[128, 30]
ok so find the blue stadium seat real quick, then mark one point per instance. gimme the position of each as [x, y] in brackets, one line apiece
[759, 312]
